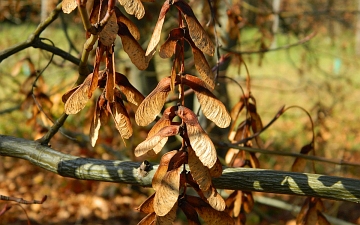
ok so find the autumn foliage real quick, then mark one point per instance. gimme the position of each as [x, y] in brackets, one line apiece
[197, 151]
[195, 162]
[171, 179]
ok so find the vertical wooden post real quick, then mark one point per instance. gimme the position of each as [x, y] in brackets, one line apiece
[357, 40]
[275, 25]
[44, 9]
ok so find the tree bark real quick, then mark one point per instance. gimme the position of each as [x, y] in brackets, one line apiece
[260, 180]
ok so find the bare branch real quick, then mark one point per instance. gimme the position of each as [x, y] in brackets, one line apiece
[221, 144]
[34, 41]
[33, 37]
[302, 41]
[259, 180]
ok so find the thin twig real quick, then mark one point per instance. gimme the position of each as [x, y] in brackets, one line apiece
[221, 144]
[53, 130]
[34, 41]
[32, 37]
[302, 41]
[10, 110]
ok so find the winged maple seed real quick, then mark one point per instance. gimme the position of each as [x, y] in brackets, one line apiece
[196, 30]
[133, 7]
[246, 132]
[168, 49]
[168, 181]
[151, 142]
[199, 140]
[102, 12]
[206, 212]
[117, 110]
[212, 108]
[311, 212]
[197, 33]
[68, 6]
[76, 99]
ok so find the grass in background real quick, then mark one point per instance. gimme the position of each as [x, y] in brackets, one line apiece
[322, 77]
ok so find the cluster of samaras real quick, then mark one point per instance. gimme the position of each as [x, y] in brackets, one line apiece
[171, 179]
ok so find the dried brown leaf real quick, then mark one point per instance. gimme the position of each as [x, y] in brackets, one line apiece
[201, 64]
[155, 38]
[231, 153]
[95, 79]
[153, 103]
[110, 80]
[133, 7]
[300, 163]
[162, 169]
[108, 34]
[131, 93]
[164, 121]
[151, 142]
[179, 159]
[176, 66]
[67, 95]
[300, 219]
[311, 216]
[256, 124]
[208, 214]
[199, 172]
[190, 213]
[168, 218]
[236, 110]
[197, 32]
[156, 128]
[199, 140]
[44, 101]
[148, 205]
[229, 202]
[121, 118]
[313, 207]
[248, 201]
[203, 67]
[214, 199]
[254, 161]
[68, 6]
[307, 148]
[95, 10]
[167, 194]
[212, 107]
[27, 85]
[78, 99]
[148, 219]
[96, 122]
[121, 18]
[195, 201]
[243, 131]
[321, 219]
[132, 48]
[216, 170]
[237, 203]
[168, 48]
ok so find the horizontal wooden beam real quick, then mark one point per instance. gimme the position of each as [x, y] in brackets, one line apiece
[259, 180]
